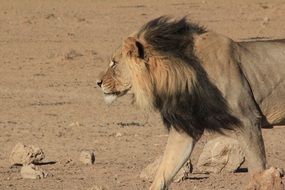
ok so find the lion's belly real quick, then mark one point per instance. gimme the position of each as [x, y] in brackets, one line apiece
[273, 108]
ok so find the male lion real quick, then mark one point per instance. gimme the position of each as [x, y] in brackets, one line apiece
[199, 80]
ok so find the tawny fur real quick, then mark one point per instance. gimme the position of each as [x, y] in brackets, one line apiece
[199, 80]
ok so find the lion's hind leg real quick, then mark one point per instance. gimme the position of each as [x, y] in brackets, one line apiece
[178, 149]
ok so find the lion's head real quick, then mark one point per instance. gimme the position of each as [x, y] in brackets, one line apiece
[116, 81]
[129, 69]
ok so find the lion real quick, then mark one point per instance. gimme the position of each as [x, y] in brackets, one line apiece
[199, 80]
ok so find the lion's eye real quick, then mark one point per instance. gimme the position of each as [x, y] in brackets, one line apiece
[112, 63]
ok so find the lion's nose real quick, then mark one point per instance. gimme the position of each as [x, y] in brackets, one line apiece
[99, 83]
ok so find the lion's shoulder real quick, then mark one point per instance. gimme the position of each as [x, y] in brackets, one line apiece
[211, 41]
[216, 53]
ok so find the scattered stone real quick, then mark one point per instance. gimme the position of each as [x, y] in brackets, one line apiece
[265, 21]
[72, 54]
[95, 187]
[75, 124]
[49, 16]
[81, 19]
[281, 171]
[32, 172]
[23, 154]
[149, 172]
[270, 179]
[66, 161]
[221, 154]
[87, 157]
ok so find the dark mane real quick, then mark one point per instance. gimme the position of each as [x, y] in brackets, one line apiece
[170, 36]
[190, 111]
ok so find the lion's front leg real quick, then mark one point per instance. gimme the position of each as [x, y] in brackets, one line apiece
[252, 142]
[178, 149]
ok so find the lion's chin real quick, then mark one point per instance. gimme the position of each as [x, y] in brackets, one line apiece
[109, 98]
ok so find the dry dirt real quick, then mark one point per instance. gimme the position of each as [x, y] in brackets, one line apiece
[50, 54]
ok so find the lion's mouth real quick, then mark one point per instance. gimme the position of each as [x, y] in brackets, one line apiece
[112, 96]
[116, 93]
[112, 93]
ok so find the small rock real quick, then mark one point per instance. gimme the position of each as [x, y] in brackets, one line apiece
[281, 171]
[74, 124]
[49, 16]
[270, 179]
[23, 154]
[87, 157]
[222, 154]
[32, 172]
[266, 20]
[72, 54]
[149, 172]
[66, 161]
[95, 187]
[118, 135]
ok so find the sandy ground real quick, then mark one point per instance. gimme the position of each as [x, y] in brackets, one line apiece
[50, 54]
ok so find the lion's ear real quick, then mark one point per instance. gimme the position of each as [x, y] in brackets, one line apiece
[133, 48]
